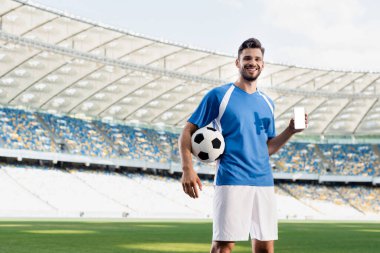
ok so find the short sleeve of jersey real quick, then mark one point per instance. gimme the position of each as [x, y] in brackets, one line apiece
[206, 111]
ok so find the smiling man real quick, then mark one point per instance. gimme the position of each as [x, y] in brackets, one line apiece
[244, 201]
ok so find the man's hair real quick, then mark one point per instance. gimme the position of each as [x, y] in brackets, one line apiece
[251, 43]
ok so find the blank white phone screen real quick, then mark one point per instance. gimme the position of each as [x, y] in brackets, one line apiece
[299, 118]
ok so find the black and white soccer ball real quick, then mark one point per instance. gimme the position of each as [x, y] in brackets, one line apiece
[207, 144]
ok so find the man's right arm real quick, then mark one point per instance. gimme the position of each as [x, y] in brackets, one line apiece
[190, 179]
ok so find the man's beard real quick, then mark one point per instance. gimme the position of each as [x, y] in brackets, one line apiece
[248, 77]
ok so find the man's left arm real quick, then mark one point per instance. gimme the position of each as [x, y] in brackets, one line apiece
[277, 142]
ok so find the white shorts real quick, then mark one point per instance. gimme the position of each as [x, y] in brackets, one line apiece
[243, 211]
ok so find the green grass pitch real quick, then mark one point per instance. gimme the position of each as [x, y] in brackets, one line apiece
[108, 236]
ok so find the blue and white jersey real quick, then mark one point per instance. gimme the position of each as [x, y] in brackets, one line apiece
[246, 122]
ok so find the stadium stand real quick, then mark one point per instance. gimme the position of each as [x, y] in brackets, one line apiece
[111, 194]
[364, 198]
[81, 137]
[40, 191]
[27, 130]
[351, 159]
[296, 157]
[138, 143]
[327, 200]
[22, 130]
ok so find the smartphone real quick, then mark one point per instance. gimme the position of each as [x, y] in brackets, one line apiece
[299, 117]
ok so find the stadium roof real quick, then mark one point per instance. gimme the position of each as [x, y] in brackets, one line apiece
[52, 61]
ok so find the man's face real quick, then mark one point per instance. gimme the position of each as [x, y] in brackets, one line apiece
[250, 63]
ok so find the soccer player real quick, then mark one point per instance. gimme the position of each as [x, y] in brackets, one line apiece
[244, 202]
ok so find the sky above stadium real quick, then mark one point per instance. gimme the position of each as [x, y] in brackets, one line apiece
[327, 34]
